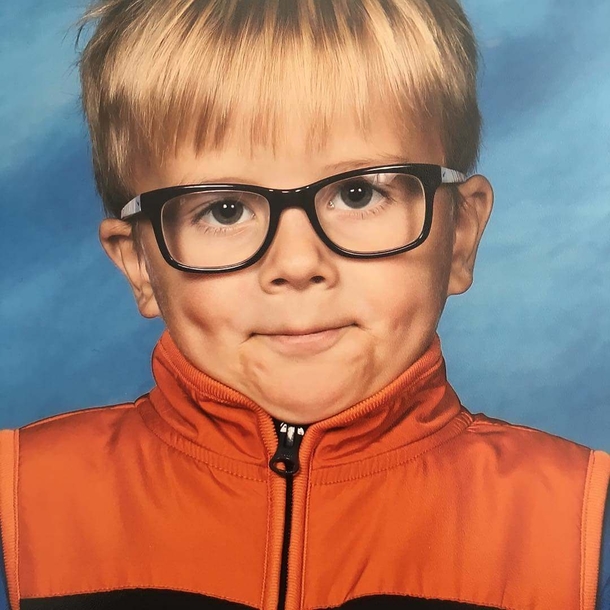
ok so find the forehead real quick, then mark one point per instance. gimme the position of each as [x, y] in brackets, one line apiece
[294, 160]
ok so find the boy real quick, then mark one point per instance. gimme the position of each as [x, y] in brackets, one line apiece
[289, 191]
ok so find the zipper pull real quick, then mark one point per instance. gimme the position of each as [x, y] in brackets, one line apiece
[287, 453]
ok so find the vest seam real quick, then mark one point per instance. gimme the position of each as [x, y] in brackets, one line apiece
[504, 424]
[184, 451]
[411, 386]
[17, 469]
[267, 544]
[583, 529]
[9, 469]
[59, 416]
[593, 504]
[130, 587]
[462, 414]
[305, 536]
[406, 460]
[403, 594]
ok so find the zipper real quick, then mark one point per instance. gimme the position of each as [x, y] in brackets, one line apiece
[285, 462]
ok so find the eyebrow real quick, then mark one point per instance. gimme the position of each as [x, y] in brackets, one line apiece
[329, 170]
[381, 159]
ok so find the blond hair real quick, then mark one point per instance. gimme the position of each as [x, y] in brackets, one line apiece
[161, 74]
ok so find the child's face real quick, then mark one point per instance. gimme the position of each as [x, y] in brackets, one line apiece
[378, 316]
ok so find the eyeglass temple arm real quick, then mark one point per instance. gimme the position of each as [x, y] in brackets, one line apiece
[452, 176]
[133, 207]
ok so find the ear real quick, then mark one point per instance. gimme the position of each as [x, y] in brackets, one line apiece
[119, 242]
[470, 218]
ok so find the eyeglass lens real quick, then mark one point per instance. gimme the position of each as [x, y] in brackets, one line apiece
[365, 214]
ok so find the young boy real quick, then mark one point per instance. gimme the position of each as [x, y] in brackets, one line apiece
[288, 188]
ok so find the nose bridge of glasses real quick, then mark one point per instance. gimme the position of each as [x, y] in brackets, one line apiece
[302, 198]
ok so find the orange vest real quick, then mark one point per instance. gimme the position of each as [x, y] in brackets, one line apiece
[405, 500]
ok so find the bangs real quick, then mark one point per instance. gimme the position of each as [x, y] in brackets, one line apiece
[256, 72]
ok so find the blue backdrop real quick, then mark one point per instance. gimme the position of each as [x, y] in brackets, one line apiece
[529, 343]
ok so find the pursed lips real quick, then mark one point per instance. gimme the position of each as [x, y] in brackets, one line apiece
[295, 332]
[305, 340]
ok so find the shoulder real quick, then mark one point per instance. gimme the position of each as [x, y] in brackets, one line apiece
[540, 464]
[77, 417]
[61, 440]
[81, 458]
[489, 427]
[523, 446]
[567, 472]
[603, 590]
[528, 472]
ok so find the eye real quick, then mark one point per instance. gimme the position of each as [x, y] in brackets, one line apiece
[356, 194]
[225, 212]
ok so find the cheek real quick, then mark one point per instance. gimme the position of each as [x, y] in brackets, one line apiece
[211, 307]
[398, 290]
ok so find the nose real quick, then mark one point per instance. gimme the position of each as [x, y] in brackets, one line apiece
[297, 258]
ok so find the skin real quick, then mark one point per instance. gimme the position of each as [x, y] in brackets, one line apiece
[234, 326]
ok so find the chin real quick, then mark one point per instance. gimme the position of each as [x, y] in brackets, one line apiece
[304, 403]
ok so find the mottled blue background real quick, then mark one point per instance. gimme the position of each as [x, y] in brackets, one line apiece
[529, 343]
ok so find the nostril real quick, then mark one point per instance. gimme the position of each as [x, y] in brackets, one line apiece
[280, 281]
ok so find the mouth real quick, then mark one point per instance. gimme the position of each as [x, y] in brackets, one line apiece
[305, 331]
[304, 340]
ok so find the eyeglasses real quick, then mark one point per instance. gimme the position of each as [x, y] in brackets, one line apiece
[366, 213]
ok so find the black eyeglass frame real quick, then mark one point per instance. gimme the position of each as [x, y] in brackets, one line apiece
[151, 203]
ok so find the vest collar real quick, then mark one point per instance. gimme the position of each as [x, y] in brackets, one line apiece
[213, 416]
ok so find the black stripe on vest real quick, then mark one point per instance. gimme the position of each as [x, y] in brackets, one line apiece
[131, 599]
[165, 599]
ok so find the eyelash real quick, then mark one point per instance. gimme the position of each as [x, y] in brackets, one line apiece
[377, 209]
[214, 230]
[195, 218]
